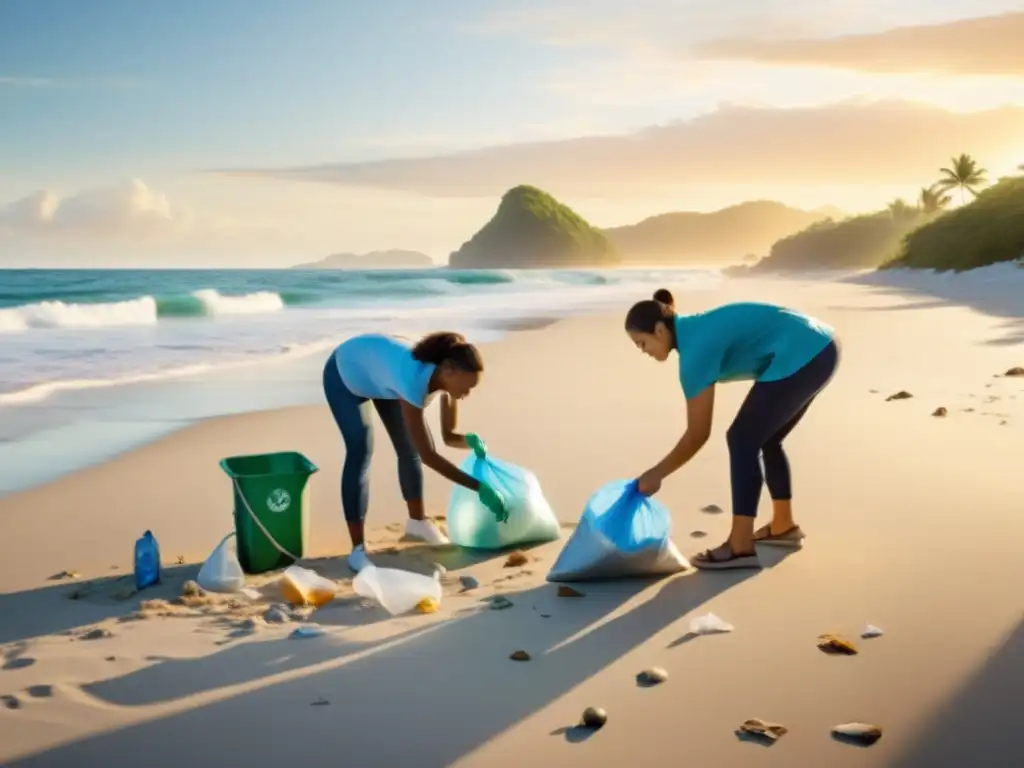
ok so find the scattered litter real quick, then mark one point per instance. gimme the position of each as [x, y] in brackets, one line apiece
[147, 561]
[709, 624]
[565, 591]
[764, 729]
[519, 656]
[276, 615]
[871, 631]
[96, 634]
[65, 575]
[594, 718]
[698, 534]
[428, 605]
[940, 412]
[321, 702]
[1015, 371]
[179, 560]
[860, 733]
[191, 589]
[396, 590]
[516, 559]
[712, 509]
[301, 586]
[652, 676]
[901, 395]
[222, 572]
[468, 583]
[500, 603]
[830, 643]
[308, 630]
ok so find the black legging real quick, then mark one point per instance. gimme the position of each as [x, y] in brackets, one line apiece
[767, 416]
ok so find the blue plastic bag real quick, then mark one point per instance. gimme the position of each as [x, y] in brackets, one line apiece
[621, 533]
[147, 561]
[530, 519]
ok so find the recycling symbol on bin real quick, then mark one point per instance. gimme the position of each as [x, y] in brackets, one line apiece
[278, 500]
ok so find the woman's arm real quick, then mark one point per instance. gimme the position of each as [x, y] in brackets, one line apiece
[699, 412]
[420, 435]
[449, 419]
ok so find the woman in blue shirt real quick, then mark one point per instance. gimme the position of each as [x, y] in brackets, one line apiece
[790, 358]
[401, 380]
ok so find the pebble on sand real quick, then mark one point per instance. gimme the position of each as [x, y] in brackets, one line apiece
[276, 615]
[516, 559]
[652, 676]
[468, 583]
[65, 575]
[940, 412]
[764, 729]
[830, 643]
[901, 395]
[500, 603]
[96, 634]
[192, 589]
[871, 631]
[863, 733]
[593, 718]
[712, 509]
[519, 656]
[698, 534]
[1015, 371]
[564, 591]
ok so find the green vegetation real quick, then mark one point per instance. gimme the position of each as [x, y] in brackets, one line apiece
[533, 230]
[728, 234]
[986, 231]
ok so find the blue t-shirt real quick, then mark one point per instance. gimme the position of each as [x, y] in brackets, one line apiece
[745, 341]
[380, 367]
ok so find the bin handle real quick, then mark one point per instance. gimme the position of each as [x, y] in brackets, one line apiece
[256, 520]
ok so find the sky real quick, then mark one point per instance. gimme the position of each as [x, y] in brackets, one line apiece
[261, 133]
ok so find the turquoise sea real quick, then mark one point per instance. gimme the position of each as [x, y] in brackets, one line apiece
[95, 361]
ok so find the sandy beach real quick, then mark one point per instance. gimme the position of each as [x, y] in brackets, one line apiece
[914, 525]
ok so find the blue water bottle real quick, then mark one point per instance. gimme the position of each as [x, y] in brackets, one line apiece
[147, 561]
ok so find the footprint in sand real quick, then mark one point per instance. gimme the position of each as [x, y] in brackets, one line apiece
[10, 701]
[15, 658]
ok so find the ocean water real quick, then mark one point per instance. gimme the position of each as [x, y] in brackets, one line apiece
[95, 361]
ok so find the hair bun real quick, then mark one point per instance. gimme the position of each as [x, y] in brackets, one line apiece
[664, 295]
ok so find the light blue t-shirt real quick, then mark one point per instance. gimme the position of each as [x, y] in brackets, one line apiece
[745, 341]
[381, 367]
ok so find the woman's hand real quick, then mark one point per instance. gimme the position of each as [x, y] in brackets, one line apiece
[649, 483]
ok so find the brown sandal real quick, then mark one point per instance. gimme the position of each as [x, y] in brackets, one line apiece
[792, 538]
[723, 558]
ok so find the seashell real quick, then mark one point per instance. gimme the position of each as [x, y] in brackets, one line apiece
[861, 733]
[652, 676]
[830, 643]
[764, 729]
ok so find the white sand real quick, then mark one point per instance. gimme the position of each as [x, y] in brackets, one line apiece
[914, 524]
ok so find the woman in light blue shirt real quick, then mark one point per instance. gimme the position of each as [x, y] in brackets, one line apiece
[789, 356]
[400, 380]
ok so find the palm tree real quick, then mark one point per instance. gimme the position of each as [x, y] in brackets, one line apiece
[932, 199]
[964, 173]
[900, 212]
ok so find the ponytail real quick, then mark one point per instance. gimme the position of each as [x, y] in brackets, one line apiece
[451, 348]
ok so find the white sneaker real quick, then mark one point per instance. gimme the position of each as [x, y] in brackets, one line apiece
[358, 559]
[424, 530]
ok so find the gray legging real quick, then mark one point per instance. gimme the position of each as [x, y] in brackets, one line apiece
[352, 415]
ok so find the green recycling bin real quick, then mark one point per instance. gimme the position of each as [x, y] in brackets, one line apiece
[271, 508]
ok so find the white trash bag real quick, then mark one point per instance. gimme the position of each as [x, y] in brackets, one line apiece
[396, 590]
[222, 572]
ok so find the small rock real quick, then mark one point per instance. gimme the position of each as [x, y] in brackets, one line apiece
[63, 575]
[712, 509]
[940, 412]
[871, 631]
[468, 583]
[764, 729]
[1015, 371]
[307, 630]
[252, 624]
[593, 718]
[111, 658]
[873, 391]
[96, 634]
[276, 615]
[830, 643]
[1003, 423]
[11, 702]
[698, 534]
[192, 589]
[500, 603]
[861, 733]
[565, 591]
[516, 560]
[652, 676]
[901, 395]
[321, 702]
[519, 656]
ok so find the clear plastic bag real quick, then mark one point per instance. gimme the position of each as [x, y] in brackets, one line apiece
[301, 586]
[396, 590]
[621, 533]
[222, 572]
[530, 518]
